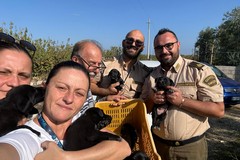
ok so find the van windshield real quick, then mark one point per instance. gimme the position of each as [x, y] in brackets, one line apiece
[218, 72]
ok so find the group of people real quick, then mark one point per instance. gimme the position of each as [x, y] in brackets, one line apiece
[197, 95]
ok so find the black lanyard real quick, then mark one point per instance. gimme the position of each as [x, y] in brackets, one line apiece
[48, 129]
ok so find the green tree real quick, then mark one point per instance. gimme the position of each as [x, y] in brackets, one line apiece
[205, 45]
[221, 46]
[49, 52]
[114, 51]
[229, 38]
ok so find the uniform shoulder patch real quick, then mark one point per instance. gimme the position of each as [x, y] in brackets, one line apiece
[210, 80]
[197, 65]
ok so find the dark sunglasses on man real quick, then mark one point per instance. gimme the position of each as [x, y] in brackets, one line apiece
[130, 41]
[25, 44]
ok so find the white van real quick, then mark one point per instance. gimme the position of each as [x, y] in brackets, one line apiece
[150, 63]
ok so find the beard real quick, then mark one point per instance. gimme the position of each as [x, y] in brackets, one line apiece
[169, 60]
[130, 54]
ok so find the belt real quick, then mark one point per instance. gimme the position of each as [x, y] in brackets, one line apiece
[178, 143]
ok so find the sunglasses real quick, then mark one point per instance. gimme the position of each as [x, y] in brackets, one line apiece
[101, 67]
[130, 41]
[168, 46]
[25, 44]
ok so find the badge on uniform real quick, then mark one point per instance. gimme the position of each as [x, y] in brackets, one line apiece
[210, 80]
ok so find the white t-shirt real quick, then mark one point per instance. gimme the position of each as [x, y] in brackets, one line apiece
[27, 143]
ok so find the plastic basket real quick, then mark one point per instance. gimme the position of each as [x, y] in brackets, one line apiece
[133, 112]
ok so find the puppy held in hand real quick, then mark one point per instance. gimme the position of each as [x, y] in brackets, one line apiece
[115, 76]
[85, 131]
[17, 105]
[159, 110]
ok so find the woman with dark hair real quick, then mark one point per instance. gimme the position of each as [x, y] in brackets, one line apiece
[66, 90]
[15, 63]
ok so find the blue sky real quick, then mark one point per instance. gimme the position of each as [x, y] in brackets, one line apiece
[108, 21]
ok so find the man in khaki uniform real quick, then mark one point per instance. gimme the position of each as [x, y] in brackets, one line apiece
[132, 71]
[197, 94]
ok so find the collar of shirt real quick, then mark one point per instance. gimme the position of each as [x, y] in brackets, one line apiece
[176, 66]
[122, 62]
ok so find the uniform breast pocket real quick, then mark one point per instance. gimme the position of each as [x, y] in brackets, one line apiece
[188, 91]
[136, 89]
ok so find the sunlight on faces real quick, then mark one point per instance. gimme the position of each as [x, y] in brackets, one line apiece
[166, 48]
[92, 59]
[65, 94]
[133, 44]
[15, 70]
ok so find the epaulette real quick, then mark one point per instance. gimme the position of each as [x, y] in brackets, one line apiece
[197, 65]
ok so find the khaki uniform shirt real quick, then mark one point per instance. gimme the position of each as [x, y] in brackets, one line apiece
[196, 81]
[134, 78]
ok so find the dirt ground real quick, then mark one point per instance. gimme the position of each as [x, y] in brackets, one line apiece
[224, 136]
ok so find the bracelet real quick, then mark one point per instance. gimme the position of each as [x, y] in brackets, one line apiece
[181, 104]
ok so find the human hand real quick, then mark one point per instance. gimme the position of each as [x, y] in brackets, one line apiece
[158, 97]
[112, 88]
[175, 97]
[116, 98]
[51, 152]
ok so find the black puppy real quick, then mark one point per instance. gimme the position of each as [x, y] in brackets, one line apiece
[137, 155]
[159, 110]
[85, 131]
[115, 76]
[18, 103]
[129, 133]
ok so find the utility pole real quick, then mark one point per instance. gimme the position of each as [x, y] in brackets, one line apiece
[211, 56]
[148, 43]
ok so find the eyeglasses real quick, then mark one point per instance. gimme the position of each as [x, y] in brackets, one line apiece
[101, 67]
[138, 43]
[168, 46]
[9, 39]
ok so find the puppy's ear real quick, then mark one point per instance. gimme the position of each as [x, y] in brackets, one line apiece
[28, 96]
[39, 94]
[25, 106]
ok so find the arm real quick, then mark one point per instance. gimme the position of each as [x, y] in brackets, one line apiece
[154, 98]
[96, 90]
[8, 152]
[106, 150]
[208, 109]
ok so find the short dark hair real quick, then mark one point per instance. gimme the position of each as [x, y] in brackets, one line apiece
[67, 64]
[79, 46]
[165, 30]
[14, 46]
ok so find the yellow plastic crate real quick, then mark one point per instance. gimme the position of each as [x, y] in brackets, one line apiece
[133, 112]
